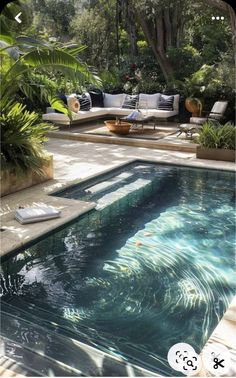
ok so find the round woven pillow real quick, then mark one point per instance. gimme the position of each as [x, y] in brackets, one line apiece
[73, 104]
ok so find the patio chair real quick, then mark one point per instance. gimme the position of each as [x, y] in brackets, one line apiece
[216, 113]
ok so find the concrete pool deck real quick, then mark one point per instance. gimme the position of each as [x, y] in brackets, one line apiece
[77, 160]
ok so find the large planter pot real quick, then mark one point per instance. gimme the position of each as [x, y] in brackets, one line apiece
[11, 182]
[194, 106]
[215, 154]
[118, 127]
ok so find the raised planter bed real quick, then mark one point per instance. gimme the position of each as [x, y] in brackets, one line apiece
[11, 183]
[215, 154]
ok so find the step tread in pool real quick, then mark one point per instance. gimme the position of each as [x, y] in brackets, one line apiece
[122, 192]
[108, 183]
[64, 338]
[35, 362]
[9, 367]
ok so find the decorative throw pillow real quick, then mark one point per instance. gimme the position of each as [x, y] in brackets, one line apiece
[166, 102]
[148, 101]
[113, 100]
[85, 101]
[130, 102]
[73, 104]
[63, 98]
[97, 98]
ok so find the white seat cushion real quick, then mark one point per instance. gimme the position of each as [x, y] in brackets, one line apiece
[82, 114]
[198, 120]
[158, 113]
[219, 107]
[118, 111]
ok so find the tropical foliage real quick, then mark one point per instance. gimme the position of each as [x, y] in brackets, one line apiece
[215, 135]
[22, 135]
[175, 45]
[32, 69]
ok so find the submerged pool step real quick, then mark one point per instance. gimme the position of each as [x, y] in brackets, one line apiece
[132, 188]
[34, 363]
[68, 341]
[46, 353]
[9, 367]
[108, 183]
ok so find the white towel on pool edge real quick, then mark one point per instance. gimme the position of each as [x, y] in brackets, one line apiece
[36, 214]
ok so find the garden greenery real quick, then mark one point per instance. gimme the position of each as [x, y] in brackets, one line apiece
[22, 135]
[29, 67]
[215, 135]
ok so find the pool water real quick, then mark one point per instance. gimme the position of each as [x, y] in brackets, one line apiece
[151, 266]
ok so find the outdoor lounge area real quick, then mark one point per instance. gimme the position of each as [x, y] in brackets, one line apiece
[119, 105]
[117, 189]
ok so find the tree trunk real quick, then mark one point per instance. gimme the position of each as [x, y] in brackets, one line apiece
[156, 39]
[168, 28]
[130, 25]
[233, 28]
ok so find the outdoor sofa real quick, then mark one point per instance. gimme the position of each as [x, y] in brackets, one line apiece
[156, 105]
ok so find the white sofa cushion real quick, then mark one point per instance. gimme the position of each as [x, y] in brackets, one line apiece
[113, 100]
[118, 111]
[148, 101]
[63, 119]
[158, 113]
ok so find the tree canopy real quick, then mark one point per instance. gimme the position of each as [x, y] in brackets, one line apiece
[145, 45]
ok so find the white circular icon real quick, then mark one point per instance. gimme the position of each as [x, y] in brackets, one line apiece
[216, 359]
[182, 357]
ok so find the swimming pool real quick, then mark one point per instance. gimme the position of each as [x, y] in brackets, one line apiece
[151, 266]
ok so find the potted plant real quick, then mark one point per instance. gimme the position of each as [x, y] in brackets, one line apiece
[216, 141]
[194, 87]
[194, 106]
[192, 102]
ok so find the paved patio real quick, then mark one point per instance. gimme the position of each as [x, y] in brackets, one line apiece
[164, 136]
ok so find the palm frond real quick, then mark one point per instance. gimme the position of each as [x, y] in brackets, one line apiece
[53, 60]
[59, 105]
[22, 135]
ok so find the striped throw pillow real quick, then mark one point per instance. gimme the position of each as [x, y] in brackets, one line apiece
[85, 101]
[165, 102]
[130, 102]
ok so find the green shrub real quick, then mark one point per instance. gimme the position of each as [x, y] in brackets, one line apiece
[215, 135]
[22, 136]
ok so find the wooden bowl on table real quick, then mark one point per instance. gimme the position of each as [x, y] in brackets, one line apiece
[118, 127]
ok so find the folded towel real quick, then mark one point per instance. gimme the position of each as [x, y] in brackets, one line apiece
[133, 115]
[36, 214]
